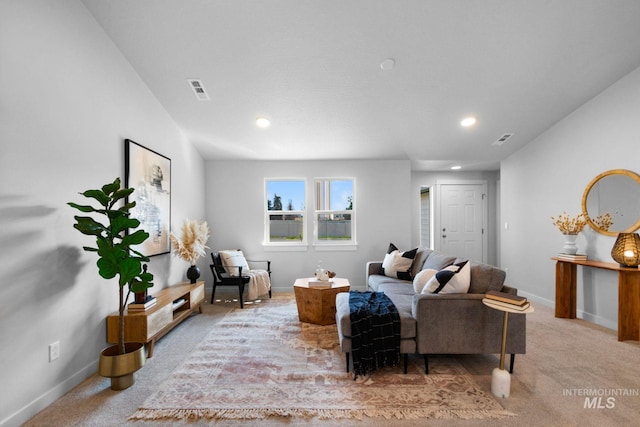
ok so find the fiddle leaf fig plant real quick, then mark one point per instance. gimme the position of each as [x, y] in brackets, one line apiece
[114, 242]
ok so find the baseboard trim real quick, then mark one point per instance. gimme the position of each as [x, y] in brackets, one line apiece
[25, 413]
[580, 314]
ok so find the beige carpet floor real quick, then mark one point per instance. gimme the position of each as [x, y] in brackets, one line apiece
[567, 361]
[262, 361]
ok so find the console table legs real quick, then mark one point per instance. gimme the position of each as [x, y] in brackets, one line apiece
[566, 278]
[628, 307]
[628, 295]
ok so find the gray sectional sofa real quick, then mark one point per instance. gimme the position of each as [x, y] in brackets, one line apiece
[442, 323]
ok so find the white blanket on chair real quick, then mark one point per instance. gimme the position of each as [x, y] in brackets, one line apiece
[259, 283]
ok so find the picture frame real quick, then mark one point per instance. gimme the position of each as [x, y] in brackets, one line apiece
[149, 173]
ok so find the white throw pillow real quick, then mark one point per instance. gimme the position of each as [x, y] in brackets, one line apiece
[232, 259]
[454, 279]
[421, 279]
[398, 264]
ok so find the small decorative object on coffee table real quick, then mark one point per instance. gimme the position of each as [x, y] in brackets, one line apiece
[500, 378]
[317, 303]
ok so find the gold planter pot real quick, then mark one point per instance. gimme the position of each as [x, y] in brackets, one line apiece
[120, 367]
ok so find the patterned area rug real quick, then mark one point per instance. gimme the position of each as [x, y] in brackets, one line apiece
[261, 361]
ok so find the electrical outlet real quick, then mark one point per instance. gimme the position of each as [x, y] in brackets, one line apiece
[54, 351]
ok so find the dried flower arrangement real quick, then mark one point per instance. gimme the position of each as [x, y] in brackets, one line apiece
[569, 225]
[192, 244]
[603, 222]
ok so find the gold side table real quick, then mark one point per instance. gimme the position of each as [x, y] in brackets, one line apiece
[500, 378]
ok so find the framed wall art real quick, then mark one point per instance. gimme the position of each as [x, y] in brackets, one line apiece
[149, 173]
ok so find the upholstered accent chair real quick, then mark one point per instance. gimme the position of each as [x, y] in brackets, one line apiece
[232, 274]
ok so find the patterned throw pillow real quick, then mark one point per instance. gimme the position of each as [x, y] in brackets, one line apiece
[232, 259]
[454, 279]
[422, 278]
[398, 264]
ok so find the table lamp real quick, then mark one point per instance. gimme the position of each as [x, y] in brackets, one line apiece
[626, 250]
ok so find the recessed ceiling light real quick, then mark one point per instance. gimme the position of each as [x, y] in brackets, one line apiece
[262, 122]
[468, 121]
[456, 167]
[388, 64]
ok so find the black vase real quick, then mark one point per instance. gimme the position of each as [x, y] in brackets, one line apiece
[193, 273]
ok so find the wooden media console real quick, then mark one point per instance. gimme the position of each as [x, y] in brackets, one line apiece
[173, 305]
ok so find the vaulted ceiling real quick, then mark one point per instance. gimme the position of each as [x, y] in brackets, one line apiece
[314, 69]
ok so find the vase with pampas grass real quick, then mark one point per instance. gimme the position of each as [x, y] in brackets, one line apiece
[191, 245]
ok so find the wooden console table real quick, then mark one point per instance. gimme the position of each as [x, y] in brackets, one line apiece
[628, 294]
[151, 324]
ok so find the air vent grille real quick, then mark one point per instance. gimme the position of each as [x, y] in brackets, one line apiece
[198, 89]
[502, 139]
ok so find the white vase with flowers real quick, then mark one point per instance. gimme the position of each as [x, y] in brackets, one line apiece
[570, 227]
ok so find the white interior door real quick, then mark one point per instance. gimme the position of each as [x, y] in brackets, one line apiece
[462, 218]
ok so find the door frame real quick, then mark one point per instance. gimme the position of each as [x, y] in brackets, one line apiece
[438, 206]
[431, 230]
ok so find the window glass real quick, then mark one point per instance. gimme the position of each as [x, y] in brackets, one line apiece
[334, 211]
[284, 211]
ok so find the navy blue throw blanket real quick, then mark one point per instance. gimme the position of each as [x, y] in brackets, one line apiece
[375, 332]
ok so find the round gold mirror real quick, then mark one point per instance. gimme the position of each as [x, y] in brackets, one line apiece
[611, 202]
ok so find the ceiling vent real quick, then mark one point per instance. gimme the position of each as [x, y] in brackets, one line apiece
[498, 142]
[198, 89]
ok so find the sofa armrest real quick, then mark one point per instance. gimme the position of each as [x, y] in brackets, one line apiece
[372, 267]
[462, 324]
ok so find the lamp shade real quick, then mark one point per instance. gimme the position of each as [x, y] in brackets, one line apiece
[626, 250]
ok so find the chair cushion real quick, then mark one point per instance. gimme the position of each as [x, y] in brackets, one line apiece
[454, 279]
[398, 264]
[231, 260]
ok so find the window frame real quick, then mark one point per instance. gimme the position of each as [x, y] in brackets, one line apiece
[334, 244]
[284, 245]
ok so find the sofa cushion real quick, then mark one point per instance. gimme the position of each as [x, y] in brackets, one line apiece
[418, 261]
[403, 304]
[485, 278]
[454, 279]
[398, 264]
[421, 279]
[397, 287]
[438, 261]
[377, 280]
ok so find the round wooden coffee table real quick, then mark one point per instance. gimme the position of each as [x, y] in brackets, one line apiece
[318, 305]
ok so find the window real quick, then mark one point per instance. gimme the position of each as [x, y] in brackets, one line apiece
[285, 223]
[334, 215]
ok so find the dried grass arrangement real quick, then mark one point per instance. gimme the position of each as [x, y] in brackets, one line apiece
[569, 225]
[192, 245]
[604, 222]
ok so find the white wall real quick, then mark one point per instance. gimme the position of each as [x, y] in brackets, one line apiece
[68, 99]
[235, 211]
[549, 176]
